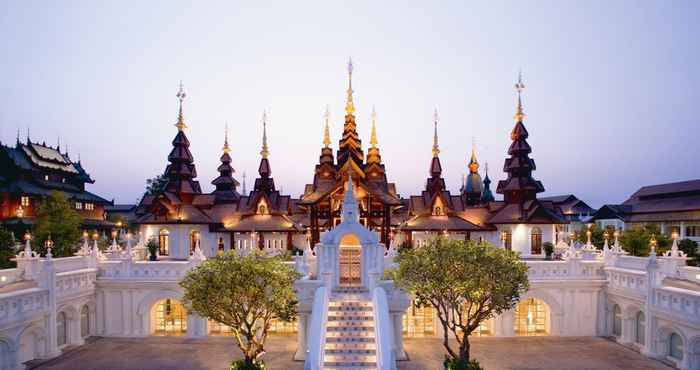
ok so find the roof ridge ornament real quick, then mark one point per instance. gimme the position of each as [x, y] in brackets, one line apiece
[181, 95]
[373, 135]
[473, 163]
[226, 148]
[436, 147]
[519, 87]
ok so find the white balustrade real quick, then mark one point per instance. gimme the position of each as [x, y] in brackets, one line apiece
[23, 304]
[9, 276]
[157, 270]
[683, 302]
[69, 263]
[72, 283]
[384, 333]
[631, 262]
[627, 279]
[575, 269]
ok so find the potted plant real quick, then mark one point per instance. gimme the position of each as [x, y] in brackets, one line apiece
[548, 249]
[152, 249]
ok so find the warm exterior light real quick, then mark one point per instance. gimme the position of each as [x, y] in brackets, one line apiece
[95, 236]
[114, 234]
[48, 243]
[27, 236]
[674, 235]
[20, 212]
[128, 236]
[606, 235]
[503, 235]
[616, 234]
[119, 224]
[653, 240]
[85, 234]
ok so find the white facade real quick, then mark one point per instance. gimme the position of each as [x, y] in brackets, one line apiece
[652, 305]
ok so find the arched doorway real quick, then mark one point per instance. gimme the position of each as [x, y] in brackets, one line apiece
[6, 362]
[531, 318]
[169, 318]
[350, 261]
[617, 321]
[536, 241]
[32, 344]
[61, 329]
[164, 242]
[85, 322]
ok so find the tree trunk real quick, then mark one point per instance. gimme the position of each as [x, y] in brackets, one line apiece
[464, 349]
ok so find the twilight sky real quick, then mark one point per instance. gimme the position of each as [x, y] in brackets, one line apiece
[612, 88]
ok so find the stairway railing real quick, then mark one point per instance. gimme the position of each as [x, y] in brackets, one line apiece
[317, 331]
[384, 333]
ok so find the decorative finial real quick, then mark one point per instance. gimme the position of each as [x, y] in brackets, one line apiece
[349, 106]
[264, 152]
[486, 168]
[244, 190]
[58, 144]
[226, 149]
[473, 163]
[519, 87]
[436, 148]
[181, 95]
[326, 130]
[17, 135]
[373, 135]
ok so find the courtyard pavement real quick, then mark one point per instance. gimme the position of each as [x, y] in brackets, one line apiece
[545, 353]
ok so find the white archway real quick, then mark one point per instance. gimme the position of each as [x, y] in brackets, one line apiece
[32, 343]
[8, 354]
[145, 306]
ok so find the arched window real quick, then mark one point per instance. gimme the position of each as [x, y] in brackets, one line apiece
[164, 242]
[170, 317]
[61, 329]
[640, 327]
[531, 317]
[536, 241]
[675, 346]
[617, 321]
[507, 238]
[85, 321]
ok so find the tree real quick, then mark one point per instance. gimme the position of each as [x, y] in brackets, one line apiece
[156, 184]
[466, 282]
[7, 249]
[246, 294]
[690, 247]
[56, 218]
[597, 235]
[637, 240]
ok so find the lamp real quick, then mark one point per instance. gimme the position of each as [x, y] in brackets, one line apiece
[27, 236]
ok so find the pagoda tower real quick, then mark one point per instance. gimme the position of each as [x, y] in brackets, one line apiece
[473, 186]
[519, 187]
[325, 169]
[435, 183]
[265, 183]
[350, 152]
[181, 170]
[487, 195]
[226, 185]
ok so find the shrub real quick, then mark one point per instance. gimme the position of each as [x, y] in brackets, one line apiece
[242, 365]
[456, 364]
[548, 249]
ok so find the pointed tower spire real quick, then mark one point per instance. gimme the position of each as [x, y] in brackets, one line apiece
[436, 148]
[487, 195]
[349, 105]
[520, 186]
[264, 152]
[373, 136]
[326, 129]
[519, 87]
[181, 95]
[473, 163]
[351, 211]
[243, 188]
[474, 186]
[226, 149]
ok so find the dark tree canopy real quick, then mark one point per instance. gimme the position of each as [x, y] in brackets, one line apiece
[57, 219]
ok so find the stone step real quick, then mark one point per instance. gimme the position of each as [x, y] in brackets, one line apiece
[329, 365]
[350, 305]
[349, 358]
[350, 351]
[351, 345]
[351, 316]
[349, 334]
[350, 324]
[362, 340]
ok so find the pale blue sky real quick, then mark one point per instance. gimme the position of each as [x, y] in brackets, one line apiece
[612, 87]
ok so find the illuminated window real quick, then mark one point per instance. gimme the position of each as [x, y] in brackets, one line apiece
[85, 321]
[419, 321]
[617, 321]
[46, 177]
[78, 205]
[194, 236]
[89, 206]
[536, 241]
[217, 328]
[220, 246]
[163, 242]
[675, 346]
[170, 318]
[508, 239]
[282, 327]
[24, 201]
[531, 317]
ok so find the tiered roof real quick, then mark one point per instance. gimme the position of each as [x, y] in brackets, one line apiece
[225, 184]
[181, 170]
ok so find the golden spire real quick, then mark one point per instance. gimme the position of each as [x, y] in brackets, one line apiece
[373, 135]
[349, 106]
[473, 164]
[264, 152]
[326, 130]
[226, 149]
[180, 119]
[519, 87]
[436, 148]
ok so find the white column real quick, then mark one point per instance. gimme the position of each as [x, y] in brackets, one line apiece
[196, 326]
[399, 351]
[301, 337]
[682, 230]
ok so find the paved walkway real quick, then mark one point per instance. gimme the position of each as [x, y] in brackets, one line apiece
[541, 353]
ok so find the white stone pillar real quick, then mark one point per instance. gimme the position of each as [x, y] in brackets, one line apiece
[397, 318]
[507, 323]
[196, 326]
[302, 330]
[48, 279]
[650, 323]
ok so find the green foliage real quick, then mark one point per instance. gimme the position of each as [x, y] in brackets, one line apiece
[597, 235]
[152, 246]
[467, 283]
[56, 217]
[7, 249]
[636, 240]
[548, 249]
[244, 293]
[156, 184]
[690, 247]
[243, 365]
[456, 364]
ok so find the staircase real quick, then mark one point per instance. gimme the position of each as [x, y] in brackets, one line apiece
[350, 336]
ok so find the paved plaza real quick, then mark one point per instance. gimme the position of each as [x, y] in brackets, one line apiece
[545, 353]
